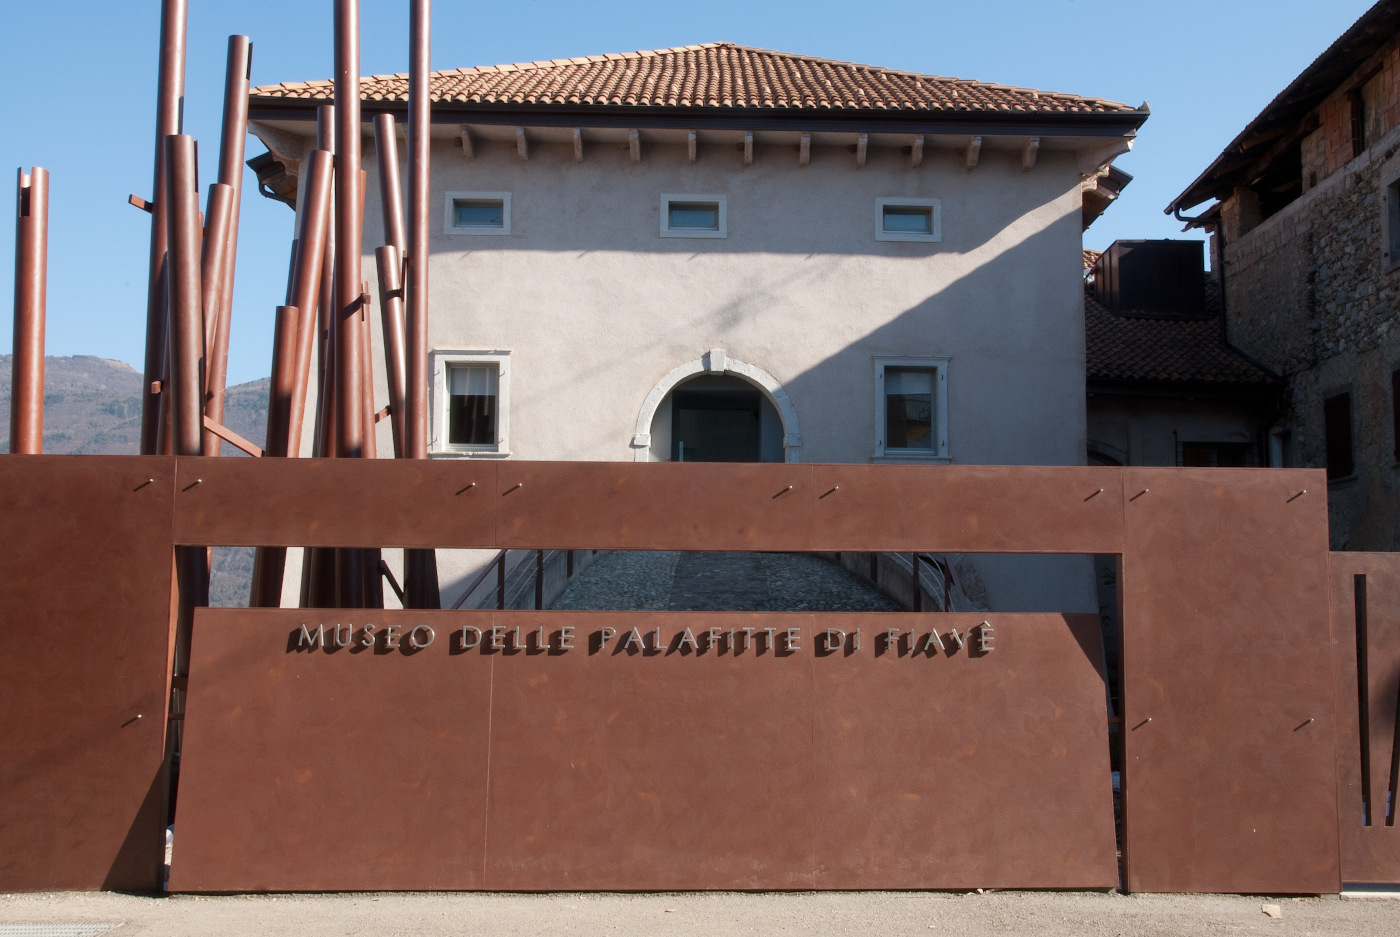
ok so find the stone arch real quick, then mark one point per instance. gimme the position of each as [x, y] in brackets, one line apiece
[718, 361]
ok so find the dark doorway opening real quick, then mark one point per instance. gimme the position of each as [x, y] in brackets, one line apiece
[722, 419]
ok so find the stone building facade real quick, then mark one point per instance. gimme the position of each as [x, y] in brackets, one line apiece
[1304, 245]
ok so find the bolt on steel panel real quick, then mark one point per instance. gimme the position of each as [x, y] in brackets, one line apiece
[86, 610]
[967, 508]
[334, 502]
[654, 506]
[1370, 838]
[1230, 775]
[641, 762]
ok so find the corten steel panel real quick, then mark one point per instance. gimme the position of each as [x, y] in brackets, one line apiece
[654, 506]
[84, 683]
[1226, 650]
[626, 769]
[351, 769]
[334, 502]
[1370, 853]
[954, 770]
[986, 509]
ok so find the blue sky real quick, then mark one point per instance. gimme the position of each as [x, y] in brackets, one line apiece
[81, 102]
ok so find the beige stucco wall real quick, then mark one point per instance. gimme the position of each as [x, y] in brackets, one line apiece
[595, 307]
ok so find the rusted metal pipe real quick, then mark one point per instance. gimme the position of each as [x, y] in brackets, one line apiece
[170, 93]
[217, 219]
[349, 358]
[31, 293]
[391, 315]
[232, 143]
[270, 563]
[416, 285]
[312, 227]
[420, 566]
[386, 154]
[186, 327]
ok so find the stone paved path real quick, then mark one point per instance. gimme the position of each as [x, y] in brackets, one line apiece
[720, 581]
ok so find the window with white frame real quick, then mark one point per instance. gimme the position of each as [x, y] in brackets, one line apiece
[476, 213]
[472, 403]
[911, 408]
[908, 219]
[694, 216]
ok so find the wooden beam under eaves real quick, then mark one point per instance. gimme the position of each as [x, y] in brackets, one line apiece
[578, 145]
[634, 143]
[1028, 153]
[804, 150]
[974, 152]
[862, 147]
[916, 152]
[467, 151]
[748, 148]
[522, 146]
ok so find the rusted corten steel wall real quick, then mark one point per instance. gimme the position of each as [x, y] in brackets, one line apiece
[609, 766]
[1366, 629]
[86, 614]
[1231, 749]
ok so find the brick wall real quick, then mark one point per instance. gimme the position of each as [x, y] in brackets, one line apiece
[1308, 294]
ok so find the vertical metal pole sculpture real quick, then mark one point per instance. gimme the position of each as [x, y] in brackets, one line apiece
[232, 142]
[420, 572]
[389, 265]
[186, 325]
[349, 362]
[31, 286]
[312, 229]
[169, 101]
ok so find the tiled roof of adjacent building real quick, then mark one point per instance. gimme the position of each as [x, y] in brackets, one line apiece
[716, 75]
[1140, 348]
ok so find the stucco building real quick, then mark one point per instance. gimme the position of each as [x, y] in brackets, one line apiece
[1305, 229]
[719, 252]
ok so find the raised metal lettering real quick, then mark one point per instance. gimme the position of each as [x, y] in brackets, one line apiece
[835, 638]
[892, 639]
[957, 638]
[712, 639]
[933, 638]
[748, 637]
[769, 643]
[305, 639]
[541, 639]
[655, 640]
[794, 639]
[349, 635]
[367, 639]
[413, 636]
[633, 635]
[498, 637]
[391, 636]
[605, 634]
[463, 637]
[688, 638]
[566, 637]
[986, 634]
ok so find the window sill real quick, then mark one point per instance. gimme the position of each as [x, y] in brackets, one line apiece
[470, 454]
[909, 458]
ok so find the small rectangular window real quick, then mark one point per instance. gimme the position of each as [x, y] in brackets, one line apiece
[909, 395]
[908, 219]
[1336, 416]
[1395, 411]
[477, 213]
[471, 405]
[694, 216]
[911, 409]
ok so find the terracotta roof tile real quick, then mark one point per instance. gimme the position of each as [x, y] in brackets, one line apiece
[719, 74]
[1139, 348]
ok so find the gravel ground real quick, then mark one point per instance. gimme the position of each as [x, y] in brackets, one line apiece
[866, 914]
[720, 581]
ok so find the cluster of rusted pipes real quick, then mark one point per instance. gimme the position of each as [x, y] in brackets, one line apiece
[190, 294]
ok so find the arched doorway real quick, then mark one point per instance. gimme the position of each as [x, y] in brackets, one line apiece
[717, 409]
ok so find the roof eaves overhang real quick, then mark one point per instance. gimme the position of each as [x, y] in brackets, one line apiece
[1112, 124]
[1258, 392]
[1376, 26]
